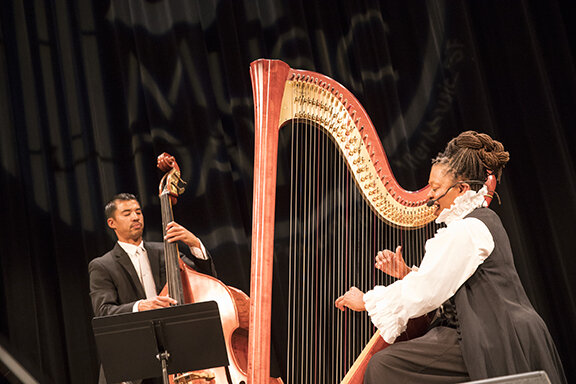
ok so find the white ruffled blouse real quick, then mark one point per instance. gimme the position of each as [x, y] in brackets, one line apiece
[450, 258]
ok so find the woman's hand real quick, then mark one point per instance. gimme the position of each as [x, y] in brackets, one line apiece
[353, 299]
[392, 263]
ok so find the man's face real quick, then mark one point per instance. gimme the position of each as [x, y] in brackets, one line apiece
[127, 221]
[440, 181]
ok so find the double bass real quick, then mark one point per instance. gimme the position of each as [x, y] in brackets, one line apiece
[186, 285]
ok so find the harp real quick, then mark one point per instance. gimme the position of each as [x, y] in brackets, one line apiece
[340, 174]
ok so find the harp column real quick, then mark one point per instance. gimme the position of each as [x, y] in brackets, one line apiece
[266, 75]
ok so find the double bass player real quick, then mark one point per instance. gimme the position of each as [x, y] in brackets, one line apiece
[131, 275]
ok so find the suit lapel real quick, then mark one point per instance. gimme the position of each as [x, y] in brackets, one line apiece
[123, 259]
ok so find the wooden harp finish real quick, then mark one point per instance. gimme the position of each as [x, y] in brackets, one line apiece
[282, 94]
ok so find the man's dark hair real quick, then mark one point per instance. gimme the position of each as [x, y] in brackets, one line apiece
[111, 206]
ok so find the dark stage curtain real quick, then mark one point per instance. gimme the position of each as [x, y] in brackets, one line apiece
[92, 91]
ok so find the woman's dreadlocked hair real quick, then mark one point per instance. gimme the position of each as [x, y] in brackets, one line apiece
[472, 156]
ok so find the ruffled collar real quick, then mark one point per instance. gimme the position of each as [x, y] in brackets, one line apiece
[463, 205]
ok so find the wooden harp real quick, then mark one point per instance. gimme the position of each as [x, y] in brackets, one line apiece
[328, 116]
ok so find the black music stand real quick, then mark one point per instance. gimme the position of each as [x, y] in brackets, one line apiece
[147, 344]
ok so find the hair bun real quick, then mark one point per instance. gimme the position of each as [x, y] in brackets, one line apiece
[472, 154]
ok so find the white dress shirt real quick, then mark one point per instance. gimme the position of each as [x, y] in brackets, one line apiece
[139, 258]
[450, 258]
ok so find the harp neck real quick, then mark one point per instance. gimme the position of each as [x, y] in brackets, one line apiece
[311, 98]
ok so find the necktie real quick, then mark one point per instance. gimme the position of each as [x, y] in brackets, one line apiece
[145, 273]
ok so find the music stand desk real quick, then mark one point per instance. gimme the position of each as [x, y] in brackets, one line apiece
[159, 342]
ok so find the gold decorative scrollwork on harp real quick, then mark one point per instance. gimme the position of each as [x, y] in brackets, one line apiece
[318, 101]
[284, 96]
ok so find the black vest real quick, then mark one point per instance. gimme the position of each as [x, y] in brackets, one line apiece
[500, 332]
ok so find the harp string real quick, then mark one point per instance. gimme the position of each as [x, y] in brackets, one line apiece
[334, 237]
